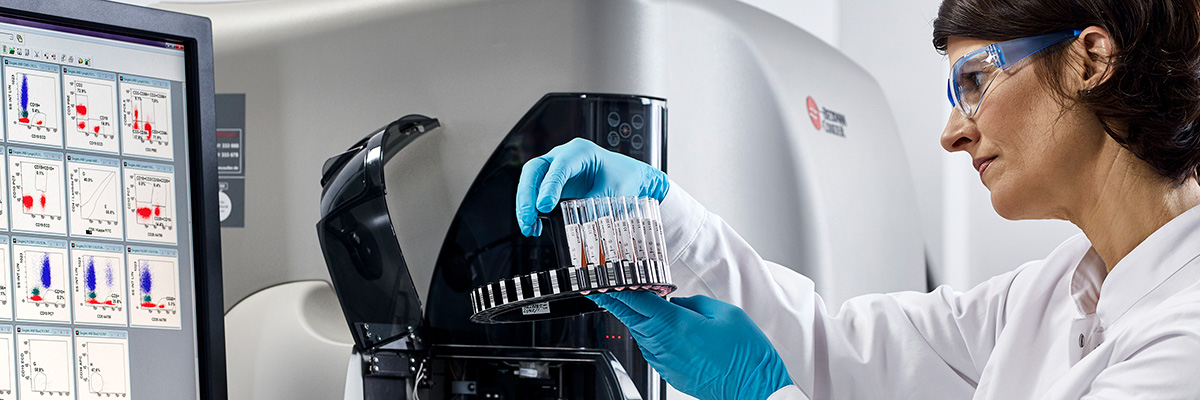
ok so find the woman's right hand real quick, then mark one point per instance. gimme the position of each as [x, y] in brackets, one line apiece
[580, 169]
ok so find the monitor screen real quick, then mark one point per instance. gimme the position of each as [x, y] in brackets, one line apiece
[98, 265]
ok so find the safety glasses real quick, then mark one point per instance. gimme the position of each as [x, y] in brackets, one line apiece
[974, 73]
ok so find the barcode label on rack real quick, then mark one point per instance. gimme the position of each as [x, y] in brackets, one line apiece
[534, 309]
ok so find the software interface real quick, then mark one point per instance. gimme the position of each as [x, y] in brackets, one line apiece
[95, 248]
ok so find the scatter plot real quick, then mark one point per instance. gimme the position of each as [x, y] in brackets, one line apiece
[8, 375]
[46, 370]
[5, 285]
[99, 271]
[91, 109]
[154, 287]
[94, 186]
[146, 117]
[41, 280]
[36, 181]
[33, 102]
[149, 202]
[102, 359]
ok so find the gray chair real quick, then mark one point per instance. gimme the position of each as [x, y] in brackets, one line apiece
[287, 341]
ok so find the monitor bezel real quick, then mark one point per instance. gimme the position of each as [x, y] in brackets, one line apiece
[195, 33]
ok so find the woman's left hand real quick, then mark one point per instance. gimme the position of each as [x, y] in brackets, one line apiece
[702, 346]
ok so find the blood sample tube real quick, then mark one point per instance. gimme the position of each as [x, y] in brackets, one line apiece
[573, 235]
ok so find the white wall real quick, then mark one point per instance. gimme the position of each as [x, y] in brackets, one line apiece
[891, 40]
[818, 17]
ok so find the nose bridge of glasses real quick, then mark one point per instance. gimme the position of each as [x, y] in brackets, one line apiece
[953, 90]
[950, 92]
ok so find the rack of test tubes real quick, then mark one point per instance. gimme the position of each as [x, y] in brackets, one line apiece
[614, 244]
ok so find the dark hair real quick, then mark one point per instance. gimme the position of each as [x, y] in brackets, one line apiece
[1151, 101]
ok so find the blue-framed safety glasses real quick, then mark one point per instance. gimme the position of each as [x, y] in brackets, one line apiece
[974, 73]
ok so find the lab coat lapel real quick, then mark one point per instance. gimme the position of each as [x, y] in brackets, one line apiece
[1086, 281]
[1153, 271]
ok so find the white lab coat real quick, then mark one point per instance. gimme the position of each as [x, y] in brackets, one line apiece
[1051, 329]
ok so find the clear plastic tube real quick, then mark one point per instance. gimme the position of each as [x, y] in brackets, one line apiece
[652, 252]
[651, 206]
[635, 228]
[609, 240]
[573, 235]
[635, 222]
[656, 210]
[624, 230]
[591, 238]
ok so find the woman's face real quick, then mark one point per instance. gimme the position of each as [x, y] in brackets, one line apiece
[1033, 154]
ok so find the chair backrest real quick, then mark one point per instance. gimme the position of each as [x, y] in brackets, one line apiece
[287, 341]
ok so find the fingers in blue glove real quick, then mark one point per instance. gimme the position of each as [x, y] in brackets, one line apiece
[543, 180]
[660, 357]
[656, 329]
[654, 361]
[628, 316]
[631, 319]
[645, 303]
[566, 162]
[581, 168]
[531, 177]
[703, 305]
[702, 346]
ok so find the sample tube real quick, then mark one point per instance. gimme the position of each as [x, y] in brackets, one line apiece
[591, 238]
[642, 253]
[635, 228]
[624, 230]
[651, 208]
[610, 243]
[654, 267]
[609, 240]
[571, 227]
[643, 205]
[625, 241]
[656, 210]
[591, 242]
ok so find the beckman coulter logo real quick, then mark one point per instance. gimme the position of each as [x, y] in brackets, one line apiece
[814, 113]
[827, 120]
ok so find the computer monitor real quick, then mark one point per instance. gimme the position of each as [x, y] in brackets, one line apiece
[110, 282]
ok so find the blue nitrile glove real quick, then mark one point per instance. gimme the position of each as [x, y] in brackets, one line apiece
[704, 347]
[579, 169]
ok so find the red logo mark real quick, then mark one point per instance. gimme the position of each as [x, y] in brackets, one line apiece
[814, 113]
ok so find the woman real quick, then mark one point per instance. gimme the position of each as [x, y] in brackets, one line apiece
[1082, 110]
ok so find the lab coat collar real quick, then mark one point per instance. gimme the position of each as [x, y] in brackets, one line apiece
[1151, 264]
[1086, 282]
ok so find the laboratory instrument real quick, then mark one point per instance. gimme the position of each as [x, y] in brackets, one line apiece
[780, 134]
[405, 348]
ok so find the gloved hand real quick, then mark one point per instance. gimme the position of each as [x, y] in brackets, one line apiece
[704, 347]
[579, 169]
